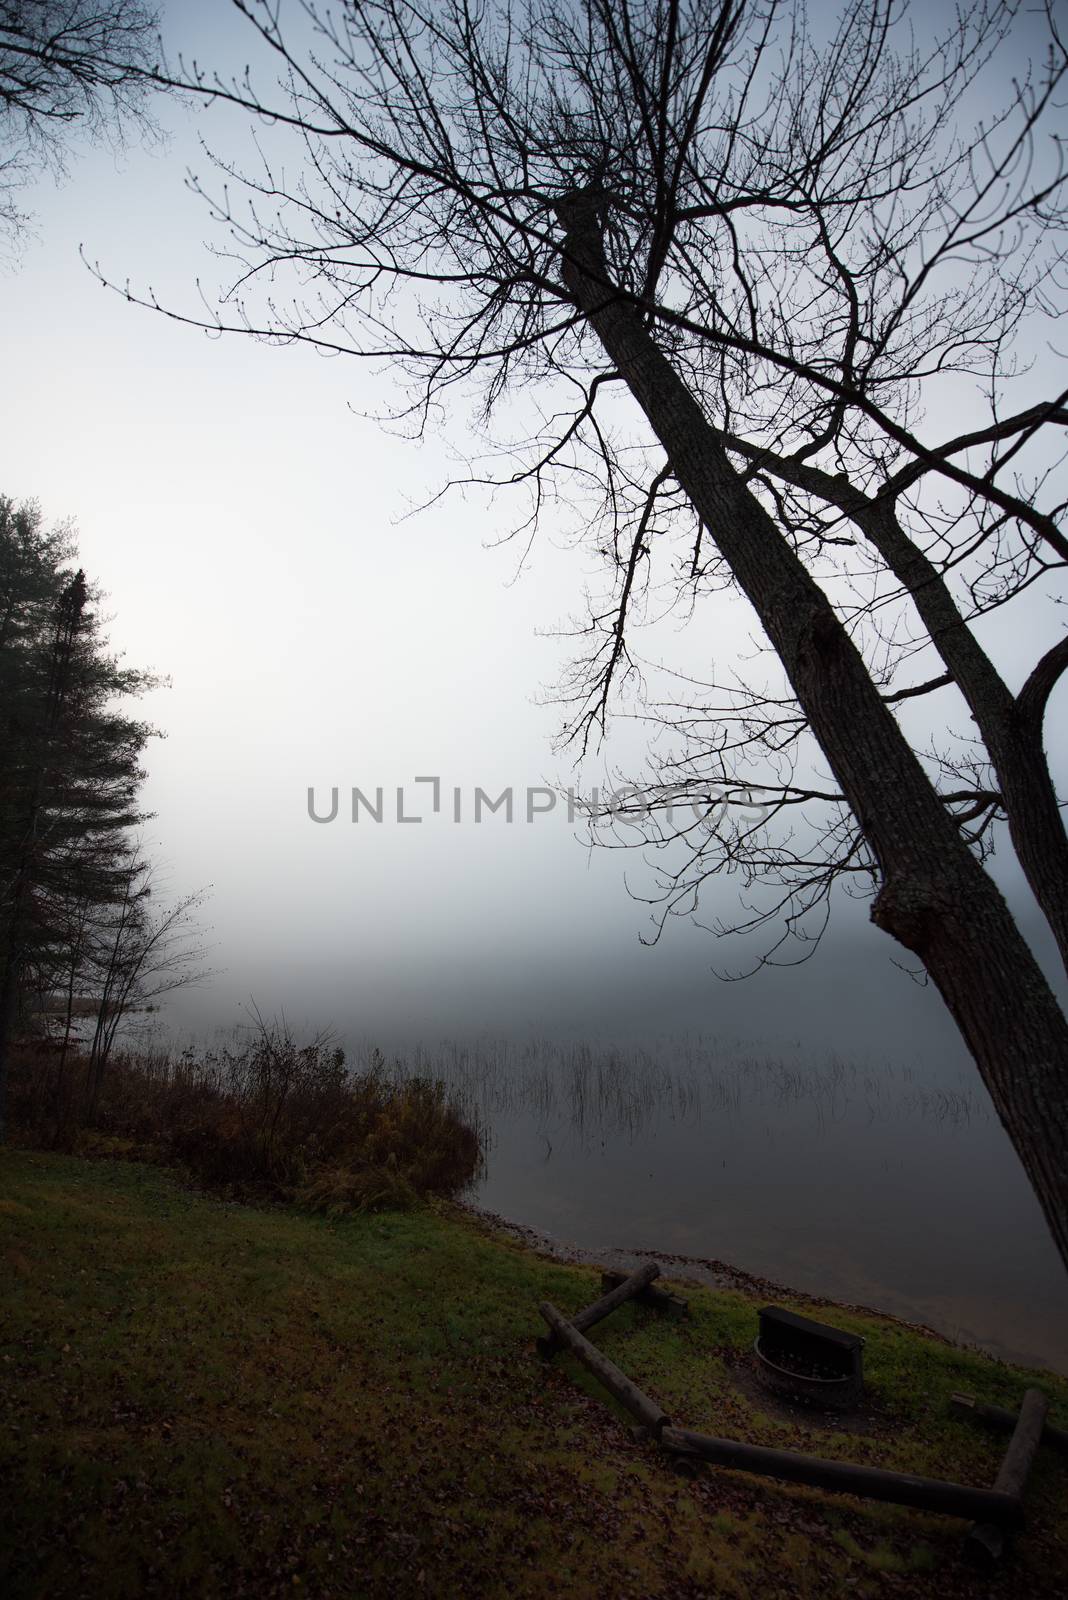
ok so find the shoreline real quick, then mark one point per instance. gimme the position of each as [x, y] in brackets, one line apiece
[715, 1274]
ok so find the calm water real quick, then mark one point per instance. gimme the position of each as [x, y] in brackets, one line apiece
[862, 1183]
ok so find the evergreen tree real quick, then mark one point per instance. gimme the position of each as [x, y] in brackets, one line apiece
[71, 767]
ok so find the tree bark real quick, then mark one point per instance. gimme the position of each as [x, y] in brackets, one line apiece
[934, 897]
[1011, 731]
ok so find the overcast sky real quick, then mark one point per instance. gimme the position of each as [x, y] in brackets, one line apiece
[246, 522]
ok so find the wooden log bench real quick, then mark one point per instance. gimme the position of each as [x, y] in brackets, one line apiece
[1001, 1417]
[645, 1411]
[651, 1295]
[986, 1541]
[844, 1477]
[993, 1512]
[626, 1289]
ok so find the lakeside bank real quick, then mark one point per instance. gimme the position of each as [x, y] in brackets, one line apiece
[203, 1396]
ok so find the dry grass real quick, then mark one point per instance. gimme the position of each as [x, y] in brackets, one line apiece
[270, 1118]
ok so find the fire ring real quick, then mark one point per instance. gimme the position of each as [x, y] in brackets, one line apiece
[807, 1361]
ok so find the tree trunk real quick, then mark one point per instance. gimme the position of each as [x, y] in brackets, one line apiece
[9, 995]
[935, 898]
[71, 607]
[10, 977]
[1009, 727]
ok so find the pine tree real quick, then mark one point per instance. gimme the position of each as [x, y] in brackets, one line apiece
[71, 766]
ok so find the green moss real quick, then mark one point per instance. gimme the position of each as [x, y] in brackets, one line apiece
[203, 1397]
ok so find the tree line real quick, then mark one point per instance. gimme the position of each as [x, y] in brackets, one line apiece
[83, 943]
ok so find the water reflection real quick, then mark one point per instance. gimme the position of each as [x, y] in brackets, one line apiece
[872, 1184]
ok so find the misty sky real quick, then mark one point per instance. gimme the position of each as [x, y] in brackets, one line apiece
[249, 527]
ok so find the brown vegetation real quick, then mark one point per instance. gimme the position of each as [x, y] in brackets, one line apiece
[268, 1118]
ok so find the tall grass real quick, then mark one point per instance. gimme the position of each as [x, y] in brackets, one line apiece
[616, 1093]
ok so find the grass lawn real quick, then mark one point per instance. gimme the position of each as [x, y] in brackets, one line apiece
[205, 1398]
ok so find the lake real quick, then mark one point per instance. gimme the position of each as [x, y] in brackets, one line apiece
[868, 1184]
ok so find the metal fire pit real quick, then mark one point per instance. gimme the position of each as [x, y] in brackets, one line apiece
[786, 1341]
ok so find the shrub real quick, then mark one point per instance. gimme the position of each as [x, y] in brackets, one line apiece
[269, 1117]
[337, 1190]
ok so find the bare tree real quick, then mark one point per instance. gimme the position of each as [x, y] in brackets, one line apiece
[66, 67]
[745, 266]
[141, 954]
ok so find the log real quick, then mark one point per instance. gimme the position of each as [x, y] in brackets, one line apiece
[651, 1295]
[985, 1543]
[1002, 1417]
[619, 1386]
[592, 1314]
[844, 1477]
